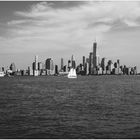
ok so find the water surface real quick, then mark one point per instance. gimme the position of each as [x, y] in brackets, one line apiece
[57, 107]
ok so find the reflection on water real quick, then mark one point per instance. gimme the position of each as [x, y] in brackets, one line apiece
[57, 107]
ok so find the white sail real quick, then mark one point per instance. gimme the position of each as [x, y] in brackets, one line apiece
[2, 74]
[72, 73]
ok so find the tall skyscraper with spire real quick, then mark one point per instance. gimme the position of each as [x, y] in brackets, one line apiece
[94, 55]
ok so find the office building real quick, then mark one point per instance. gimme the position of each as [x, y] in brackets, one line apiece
[40, 65]
[56, 70]
[13, 67]
[84, 61]
[73, 64]
[62, 64]
[41, 68]
[69, 65]
[98, 60]
[49, 67]
[35, 66]
[94, 58]
[65, 68]
[36, 63]
[118, 66]
[30, 71]
[91, 63]
[103, 65]
[94, 55]
[108, 67]
[135, 70]
[87, 60]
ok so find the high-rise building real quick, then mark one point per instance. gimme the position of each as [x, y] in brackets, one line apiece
[69, 65]
[30, 71]
[118, 66]
[108, 67]
[124, 69]
[98, 60]
[65, 68]
[94, 55]
[49, 67]
[103, 65]
[87, 60]
[62, 64]
[41, 68]
[84, 61]
[56, 69]
[13, 67]
[35, 66]
[91, 63]
[36, 62]
[40, 65]
[135, 70]
[47, 64]
[87, 68]
[73, 64]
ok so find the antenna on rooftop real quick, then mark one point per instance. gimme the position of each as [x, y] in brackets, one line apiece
[95, 39]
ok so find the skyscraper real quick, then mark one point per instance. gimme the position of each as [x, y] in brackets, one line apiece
[91, 63]
[30, 72]
[69, 65]
[108, 70]
[94, 55]
[103, 65]
[49, 67]
[135, 70]
[84, 61]
[118, 66]
[47, 63]
[40, 65]
[56, 69]
[73, 64]
[97, 60]
[36, 62]
[87, 68]
[13, 67]
[35, 66]
[62, 64]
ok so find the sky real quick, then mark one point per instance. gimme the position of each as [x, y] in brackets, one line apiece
[58, 29]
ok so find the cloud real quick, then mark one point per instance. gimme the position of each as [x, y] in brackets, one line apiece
[52, 27]
[16, 22]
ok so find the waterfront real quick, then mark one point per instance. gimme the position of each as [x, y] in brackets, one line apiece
[58, 107]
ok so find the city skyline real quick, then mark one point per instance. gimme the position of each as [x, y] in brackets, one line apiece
[92, 65]
[60, 29]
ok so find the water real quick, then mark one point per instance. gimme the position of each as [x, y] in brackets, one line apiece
[58, 107]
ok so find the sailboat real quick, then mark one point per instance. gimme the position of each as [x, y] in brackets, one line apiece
[72, 73]
[2, 74]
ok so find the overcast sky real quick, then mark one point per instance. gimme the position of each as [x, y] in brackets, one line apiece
[60, 29]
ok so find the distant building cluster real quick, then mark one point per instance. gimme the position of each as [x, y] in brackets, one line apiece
[89, 66]
[93, 66]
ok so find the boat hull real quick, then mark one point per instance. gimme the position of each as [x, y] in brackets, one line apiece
[72, 77]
